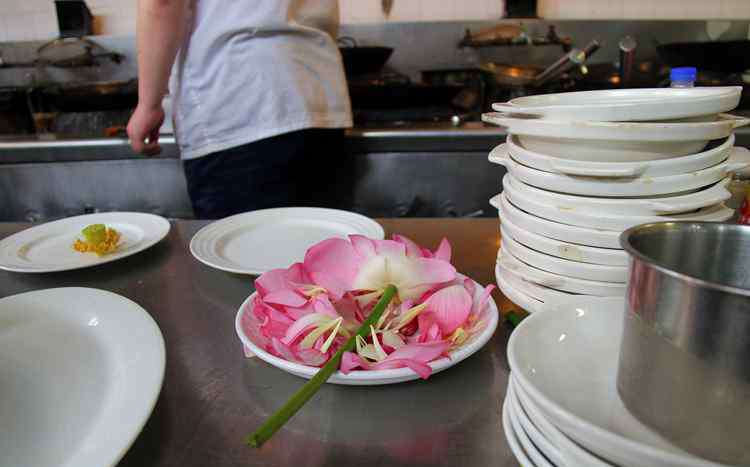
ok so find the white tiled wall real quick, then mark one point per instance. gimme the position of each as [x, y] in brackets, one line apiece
[36, 19]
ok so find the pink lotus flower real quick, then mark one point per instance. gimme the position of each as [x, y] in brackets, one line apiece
[305, 313]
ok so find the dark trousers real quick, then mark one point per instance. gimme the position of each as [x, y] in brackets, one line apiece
[292, 169]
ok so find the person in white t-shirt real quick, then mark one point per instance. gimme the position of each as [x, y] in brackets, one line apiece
[259, 97]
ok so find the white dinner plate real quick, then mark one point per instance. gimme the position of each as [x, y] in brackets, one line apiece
[613, 105]
[258, 241]
[601, 168]
[80, 372]
[565, 360]
[49, 247]
[377, 377]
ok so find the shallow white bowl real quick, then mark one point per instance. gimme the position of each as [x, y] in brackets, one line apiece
[617, 187]
[592, 272]
[559, 281]
[80, 372]
[512, 438]
[604, 221]
[613, 105]
[647, 206]
[610, 141]
[655, 168]
[568, 451]
[565, 360]
[569, 233]
[374, 377]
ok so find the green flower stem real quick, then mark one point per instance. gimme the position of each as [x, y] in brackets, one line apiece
[277, 420]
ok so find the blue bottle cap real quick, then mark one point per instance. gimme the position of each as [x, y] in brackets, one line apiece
[686, 73]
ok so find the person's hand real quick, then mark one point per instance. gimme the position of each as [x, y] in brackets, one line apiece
[143, 129]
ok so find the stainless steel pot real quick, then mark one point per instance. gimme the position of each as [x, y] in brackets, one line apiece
[685, 358]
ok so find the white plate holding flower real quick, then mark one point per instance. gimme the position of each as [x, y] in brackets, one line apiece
[367, 265]
[376, 377]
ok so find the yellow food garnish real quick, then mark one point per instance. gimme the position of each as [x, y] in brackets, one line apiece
[98, 239]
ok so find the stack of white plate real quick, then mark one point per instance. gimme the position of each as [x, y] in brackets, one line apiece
[562, 407]
[578, 176]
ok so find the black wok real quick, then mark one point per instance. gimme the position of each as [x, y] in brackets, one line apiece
[91, 97]
[726, 56]
[362, 60]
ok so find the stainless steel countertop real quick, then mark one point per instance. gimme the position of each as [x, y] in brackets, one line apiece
[213, 396]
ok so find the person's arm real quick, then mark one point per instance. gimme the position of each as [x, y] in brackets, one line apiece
[160, 29]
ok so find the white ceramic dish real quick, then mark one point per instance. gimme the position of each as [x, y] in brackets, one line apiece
[558, 281]
[512, 438]
[258, 241]
[619, 105]
[565, 360]
[565, 250]
[592, 272]
[609, 141]
[570, 233]
[540, 441]
[598, 220]
[531, 450]
[375, 377]
[80, 372]
[49, 247]
[617, 187]
[655, 168]
[539, 292]
[570, 453]
[653, 206]
[526, 302]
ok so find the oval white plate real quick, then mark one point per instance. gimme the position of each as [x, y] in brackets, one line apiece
[258, 241]
[543, 294]
[617, 187]
[526, 302]
[552, 229]
[569, 284]
[652, 206]
[80, 372]
[565, 250]
[598, 220]
[655, 168]
[614, 105]
[49, 247]
[565, 360]
[609, 141]
[375, 377]
[592, 272]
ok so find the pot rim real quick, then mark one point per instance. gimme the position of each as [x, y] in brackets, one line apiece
[634, 253]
